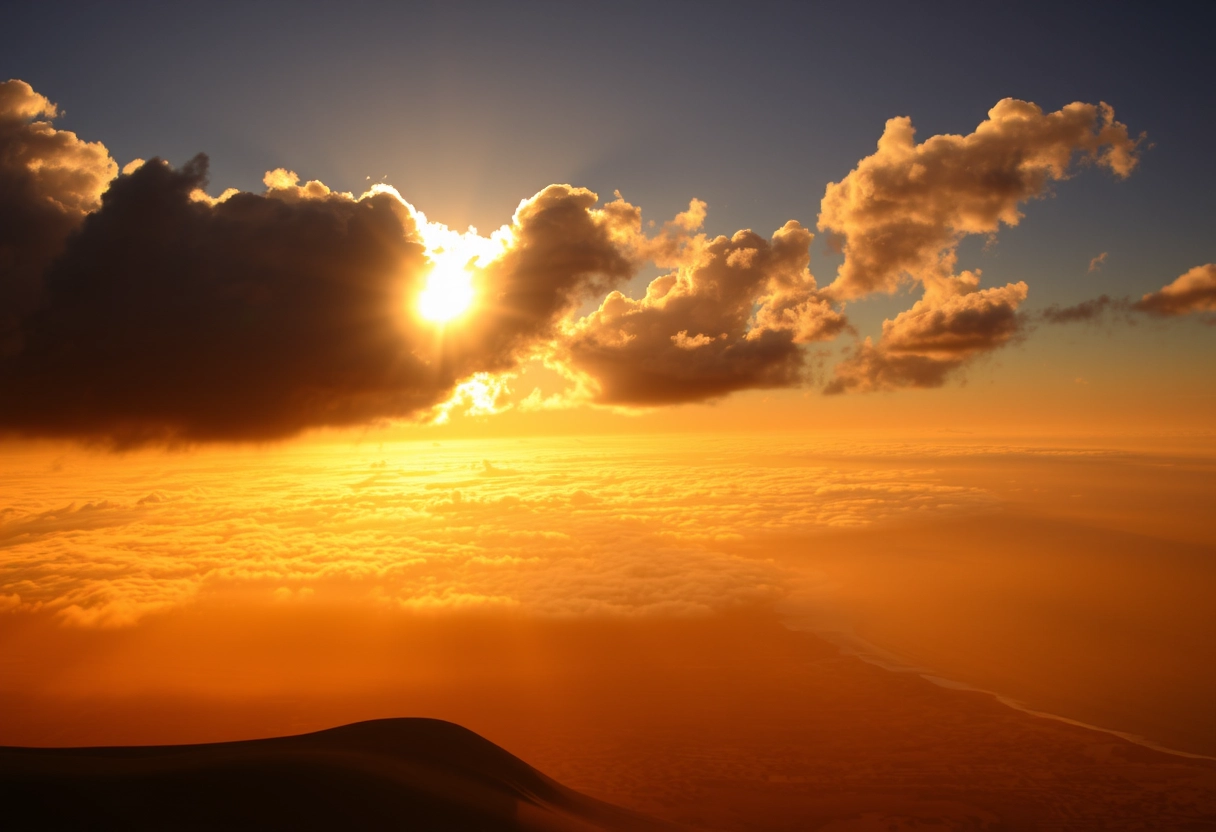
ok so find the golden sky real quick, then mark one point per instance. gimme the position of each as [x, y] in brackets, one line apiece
[801, 380]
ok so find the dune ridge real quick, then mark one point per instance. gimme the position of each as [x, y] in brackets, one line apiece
[410, 773]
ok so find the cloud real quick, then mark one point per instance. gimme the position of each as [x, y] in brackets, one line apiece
[49, 181]
[1097, 262]
[731, 316]
[620, 527]
[137, 308]
[900, 215]
[168, 317]
[922, 346]
[172, 316]
[563, 251]
[1194, 291]
[902, 212]
[1088, 310]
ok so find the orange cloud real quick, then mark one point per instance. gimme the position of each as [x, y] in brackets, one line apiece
[730, 317]
[563, 251]
[902, 212]
[619, 527]
[1194, 291]
[923, 345]
[904, 209]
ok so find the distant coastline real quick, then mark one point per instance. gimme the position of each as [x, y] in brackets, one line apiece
[851, 644]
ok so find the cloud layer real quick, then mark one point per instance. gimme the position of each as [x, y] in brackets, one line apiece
[136, 308]
[622, 527]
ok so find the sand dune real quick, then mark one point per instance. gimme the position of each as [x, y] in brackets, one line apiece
[421, 774]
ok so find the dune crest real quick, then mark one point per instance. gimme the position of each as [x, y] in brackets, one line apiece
[387, 773]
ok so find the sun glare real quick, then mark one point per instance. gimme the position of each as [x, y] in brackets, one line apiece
[448, 293]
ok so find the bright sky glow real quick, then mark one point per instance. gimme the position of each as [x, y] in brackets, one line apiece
[449, 290]
[448, 293]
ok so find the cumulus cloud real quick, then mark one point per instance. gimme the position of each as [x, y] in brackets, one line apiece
[168, 317]
[730, 316]
[137, 308]
[922, 346]
[153, 311]
[563, 250]
[902, 212]
[49, 181]
[900, 215]
[1194, 291]
[174, 316]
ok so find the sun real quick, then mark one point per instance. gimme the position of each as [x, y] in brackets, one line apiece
[448, 292]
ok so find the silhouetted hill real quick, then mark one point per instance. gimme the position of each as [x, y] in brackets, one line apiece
[421, 774]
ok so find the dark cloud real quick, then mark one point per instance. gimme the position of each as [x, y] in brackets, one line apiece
[49, 181]
[136, 308]
[1083, 312]
[171, 318]
[869, 368]
[1194, 291]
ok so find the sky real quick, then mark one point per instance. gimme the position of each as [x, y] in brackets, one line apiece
[467, 110]
[487, 342]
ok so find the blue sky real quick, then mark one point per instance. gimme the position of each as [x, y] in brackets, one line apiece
[468, 108]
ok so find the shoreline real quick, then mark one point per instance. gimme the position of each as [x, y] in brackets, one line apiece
[850, 644]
